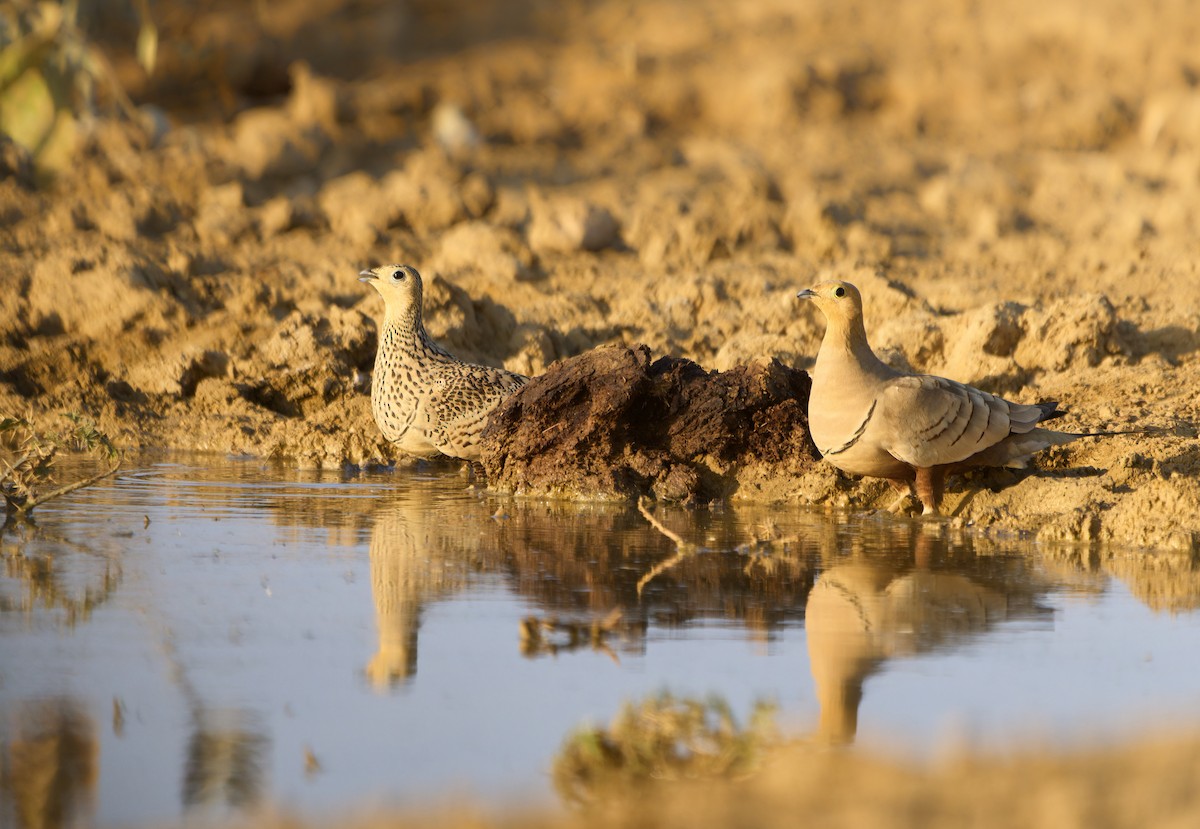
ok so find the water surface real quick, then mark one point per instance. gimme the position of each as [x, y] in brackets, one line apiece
[193, 641]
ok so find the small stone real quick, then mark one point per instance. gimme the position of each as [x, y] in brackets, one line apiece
[313, 99]
[479, 247]
[478, 195]
[268, 142]
[453, 130]
[565, 225]
[424, 195]
[274, 217]
[222, 215]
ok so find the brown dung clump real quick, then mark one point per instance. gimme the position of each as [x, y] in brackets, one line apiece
[613, 423]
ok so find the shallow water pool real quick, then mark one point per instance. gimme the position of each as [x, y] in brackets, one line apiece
[196, 641]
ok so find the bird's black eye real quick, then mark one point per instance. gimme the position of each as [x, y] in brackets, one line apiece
[839, 291]
[398, 275]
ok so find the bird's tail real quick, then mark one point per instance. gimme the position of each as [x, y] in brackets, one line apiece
[1015, 450]
[1050, 410]
[1148, 430]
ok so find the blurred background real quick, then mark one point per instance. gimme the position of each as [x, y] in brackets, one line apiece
[191, 186]
[189, 189]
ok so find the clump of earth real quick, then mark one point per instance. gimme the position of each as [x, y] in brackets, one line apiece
[1015, 190]
[612, 423]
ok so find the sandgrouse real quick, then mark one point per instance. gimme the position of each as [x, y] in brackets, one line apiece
[867, 418]
[425, 400]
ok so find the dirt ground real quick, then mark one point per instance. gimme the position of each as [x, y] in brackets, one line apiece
[1015, 188]
[1149, 784]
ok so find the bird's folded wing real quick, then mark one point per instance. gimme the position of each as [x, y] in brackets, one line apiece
[464, 399]
[928, 421]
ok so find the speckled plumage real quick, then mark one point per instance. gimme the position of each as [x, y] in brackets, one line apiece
[425, 400]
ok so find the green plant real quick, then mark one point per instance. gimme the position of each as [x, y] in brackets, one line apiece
[662, 738]
[49, 74]
[27, 460]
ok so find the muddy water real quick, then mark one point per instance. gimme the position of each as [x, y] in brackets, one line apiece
[198, 641]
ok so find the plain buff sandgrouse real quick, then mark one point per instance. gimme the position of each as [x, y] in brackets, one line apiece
[867, 418]
[425, 400]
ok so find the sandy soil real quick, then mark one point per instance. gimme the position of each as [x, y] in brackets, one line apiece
[1015, 187]
[1151, 783]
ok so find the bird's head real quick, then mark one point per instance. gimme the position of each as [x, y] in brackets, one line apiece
[399, 285]
[840, 302]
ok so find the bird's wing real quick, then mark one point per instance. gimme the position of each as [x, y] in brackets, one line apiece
[928, 421]
[464, 399]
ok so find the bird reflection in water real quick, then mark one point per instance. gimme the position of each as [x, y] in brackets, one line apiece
[897, 600]
[224, 765]
[585, 572]
[601, 577]
[49, 766]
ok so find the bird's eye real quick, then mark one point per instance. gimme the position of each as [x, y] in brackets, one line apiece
[398, 275]
[839, 292]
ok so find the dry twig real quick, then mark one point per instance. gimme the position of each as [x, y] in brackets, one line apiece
[683, 548]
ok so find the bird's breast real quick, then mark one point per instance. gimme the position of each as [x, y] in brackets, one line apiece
[841, 417]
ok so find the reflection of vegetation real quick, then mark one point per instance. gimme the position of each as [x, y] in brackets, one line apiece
[551, 635]
[43, 587]
[49, 74]
[586, 563]
[48, 771]
[27, 461]
[27, 469]
[662, 738]
[770, 556]
[224, 760]
[683, 548]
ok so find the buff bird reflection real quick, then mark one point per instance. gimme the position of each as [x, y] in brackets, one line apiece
[874, 608]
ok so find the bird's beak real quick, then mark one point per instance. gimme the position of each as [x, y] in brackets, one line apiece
[807, 293]
[367, 276]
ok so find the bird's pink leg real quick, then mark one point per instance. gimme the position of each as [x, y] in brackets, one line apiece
[929, 485]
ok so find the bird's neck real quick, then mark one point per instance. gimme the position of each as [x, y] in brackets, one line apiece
[405, 331]
[845, 342]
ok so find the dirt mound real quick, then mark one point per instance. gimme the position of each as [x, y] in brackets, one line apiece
[613, 424]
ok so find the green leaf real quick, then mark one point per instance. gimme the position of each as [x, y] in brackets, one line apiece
[147, 46]
[27, 110]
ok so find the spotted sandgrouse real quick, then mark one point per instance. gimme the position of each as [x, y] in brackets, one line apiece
[425, 400]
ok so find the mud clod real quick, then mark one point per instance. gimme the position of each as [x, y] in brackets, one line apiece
[613, 423]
